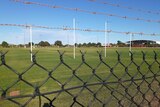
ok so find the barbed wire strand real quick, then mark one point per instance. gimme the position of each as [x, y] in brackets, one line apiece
[86, 11]
[125, 7]
[80, 29]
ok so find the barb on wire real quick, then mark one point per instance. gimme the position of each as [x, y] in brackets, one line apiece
[83, 30]
[125, 7]
[86, 11]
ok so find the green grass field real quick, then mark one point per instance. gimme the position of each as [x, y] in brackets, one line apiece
[19, 60]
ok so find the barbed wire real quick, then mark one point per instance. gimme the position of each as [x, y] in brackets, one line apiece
[80, 29]
[125, 7]
[86, 11]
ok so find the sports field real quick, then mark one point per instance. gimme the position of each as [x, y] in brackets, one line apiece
[49, 58]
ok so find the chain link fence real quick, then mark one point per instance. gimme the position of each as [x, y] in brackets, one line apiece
[131, 84]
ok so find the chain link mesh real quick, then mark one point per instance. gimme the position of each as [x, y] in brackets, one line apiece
[136, 85]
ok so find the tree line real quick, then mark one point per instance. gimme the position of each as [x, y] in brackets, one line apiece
[57, 43]
[41, 44]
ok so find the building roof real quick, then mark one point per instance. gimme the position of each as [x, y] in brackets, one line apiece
[141, 42]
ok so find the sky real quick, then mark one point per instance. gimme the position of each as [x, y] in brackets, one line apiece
[19, 13]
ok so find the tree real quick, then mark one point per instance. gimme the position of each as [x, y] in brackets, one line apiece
[5, 44]
[47, 43]
[89, 44]
[43, 44]
[30, 44]
[76, 44]
[79, 45]
[20, 45]
[84, 44]
[93, 44]
[121, 44]
[58, 43]
[99, 44]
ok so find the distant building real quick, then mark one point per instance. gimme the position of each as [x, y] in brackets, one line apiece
[143, 43]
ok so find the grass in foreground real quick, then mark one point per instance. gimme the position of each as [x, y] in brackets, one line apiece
[19, 59]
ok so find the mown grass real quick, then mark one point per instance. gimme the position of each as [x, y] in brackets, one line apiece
[19, 60]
